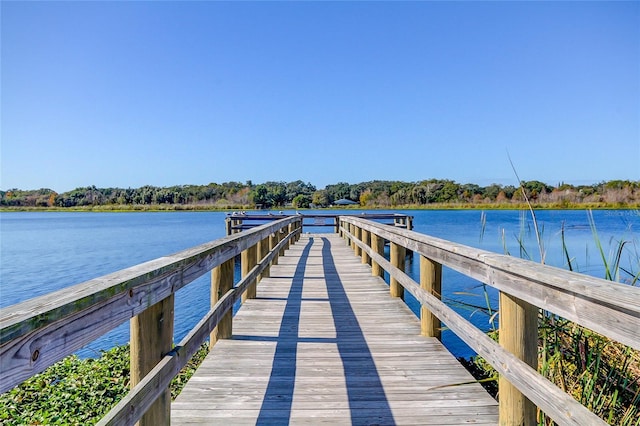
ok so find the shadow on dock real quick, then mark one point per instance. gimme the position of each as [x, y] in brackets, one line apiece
[363, 383]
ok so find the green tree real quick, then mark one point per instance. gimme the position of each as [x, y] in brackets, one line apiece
[321, 198]
[301, 201]
[491, 191]
[260, 196]
[419, 194]
[338, 191]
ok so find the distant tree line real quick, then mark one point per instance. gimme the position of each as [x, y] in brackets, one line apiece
[298, 194]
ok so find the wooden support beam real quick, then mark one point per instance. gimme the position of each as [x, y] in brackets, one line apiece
[247, 262]
[273, 242]
[431, 281]
[285, 231]
[262, 251]
[292, 228]
[377, 244]
[518, 335]
[358, 235]
[409, 225]
[281, 235]
[397, 256]
[366, 238]
[151, 340]
[347, 227]
[221, 283]
[352, 231]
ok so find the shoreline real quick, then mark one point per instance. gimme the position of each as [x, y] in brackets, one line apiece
[434, 206]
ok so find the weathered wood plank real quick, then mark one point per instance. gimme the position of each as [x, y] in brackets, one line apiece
[134, 405]
[151, 339]
[324, 341]
[609, 308]
[38, 332]
[560, 406]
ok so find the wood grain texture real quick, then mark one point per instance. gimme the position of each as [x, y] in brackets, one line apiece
[397, 257]
[143, 395]
[221, 282]
[558, 405]
[36, 333]
[366, 239]
[151, 340]
[431, 282]
[248, 260]
[377, 245]
[518, 335]
[609, 308]
[324, 343]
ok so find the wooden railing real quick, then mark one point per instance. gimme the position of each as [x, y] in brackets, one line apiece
[37, 333]
[237, 222]
[608, 308]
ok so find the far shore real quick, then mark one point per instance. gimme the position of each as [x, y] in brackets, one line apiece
[229, 209]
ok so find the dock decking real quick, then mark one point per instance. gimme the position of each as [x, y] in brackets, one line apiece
[324, 342]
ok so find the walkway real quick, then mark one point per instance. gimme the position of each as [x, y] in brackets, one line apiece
[325, 343]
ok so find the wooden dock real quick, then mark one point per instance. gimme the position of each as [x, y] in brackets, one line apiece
[324, 342]
[321, 340]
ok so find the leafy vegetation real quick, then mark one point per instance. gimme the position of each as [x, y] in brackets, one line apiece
[603, 375]
[78, 391]
[297, 194]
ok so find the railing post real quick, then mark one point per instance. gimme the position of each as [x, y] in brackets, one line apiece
[337, 225]
[377, 244]
[430, 281]
[518, 335]
[151, 340]
[347, 227]
[227, 223]
[358, 235]
[247, 262]
[366, 238]
[352, 231]
[397, 256]
[280, 233]
[273, 242]
[262, 251]
[292, 228]
[285, 232]
[221, 283]
[409, 225]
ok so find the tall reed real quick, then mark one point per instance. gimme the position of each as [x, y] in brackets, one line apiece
[600, 373]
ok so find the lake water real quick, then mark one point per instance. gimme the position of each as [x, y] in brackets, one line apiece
[44, 251]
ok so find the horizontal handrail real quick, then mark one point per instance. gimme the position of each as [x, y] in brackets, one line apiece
[549, 288]
[609, 308]
[39, 332]
[236, 222]
[141, 397]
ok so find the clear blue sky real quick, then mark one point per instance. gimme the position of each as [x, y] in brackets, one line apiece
[123, 94]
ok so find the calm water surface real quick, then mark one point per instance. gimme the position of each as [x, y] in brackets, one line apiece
[46, 251]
